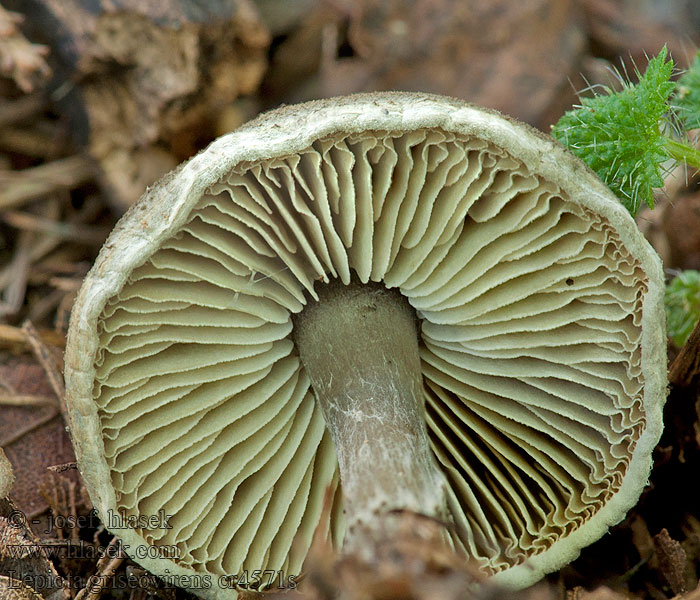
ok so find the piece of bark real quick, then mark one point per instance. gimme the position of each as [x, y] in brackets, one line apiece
[16, 339]
[146, 80]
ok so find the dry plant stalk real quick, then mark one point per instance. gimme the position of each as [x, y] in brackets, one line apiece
[20, 187]
[14, 336]
[19, 58]
[45, 358]
[106, 567]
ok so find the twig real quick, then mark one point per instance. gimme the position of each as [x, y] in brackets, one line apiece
[75, 232]
[14, 282]
[63, 313]
[40, 248]
[24, 400]
[7, 386]
[62, 468]
[66, 284]
[30, 142]
[10, 336]
[106, 567]
[19, 187]
[42, 354]
[29, 428]
[74, 533]
[44, 250]
[41, 307]
[50, 492]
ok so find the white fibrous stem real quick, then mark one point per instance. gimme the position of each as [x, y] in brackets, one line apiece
[359, 346]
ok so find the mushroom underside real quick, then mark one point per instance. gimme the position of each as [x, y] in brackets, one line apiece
[529, 309]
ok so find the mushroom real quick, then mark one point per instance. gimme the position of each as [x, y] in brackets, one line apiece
[408, 300]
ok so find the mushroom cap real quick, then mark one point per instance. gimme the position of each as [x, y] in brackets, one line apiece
[542, 336]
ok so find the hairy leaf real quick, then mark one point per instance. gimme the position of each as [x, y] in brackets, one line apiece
[687, 97]
[618, 134]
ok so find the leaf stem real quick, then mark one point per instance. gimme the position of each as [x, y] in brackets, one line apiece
[682, 152]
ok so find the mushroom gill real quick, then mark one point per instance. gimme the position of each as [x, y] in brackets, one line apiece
[529, 309]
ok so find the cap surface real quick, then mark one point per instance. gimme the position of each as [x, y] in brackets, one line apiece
[541, 317]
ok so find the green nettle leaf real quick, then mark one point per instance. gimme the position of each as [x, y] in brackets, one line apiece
[687, 97]
[682, 306]
[618, 134]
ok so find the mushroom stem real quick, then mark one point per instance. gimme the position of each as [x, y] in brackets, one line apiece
[359, 346]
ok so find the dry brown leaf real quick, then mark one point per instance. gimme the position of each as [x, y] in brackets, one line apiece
[36, 434]
[495, 54]
[633, 30]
